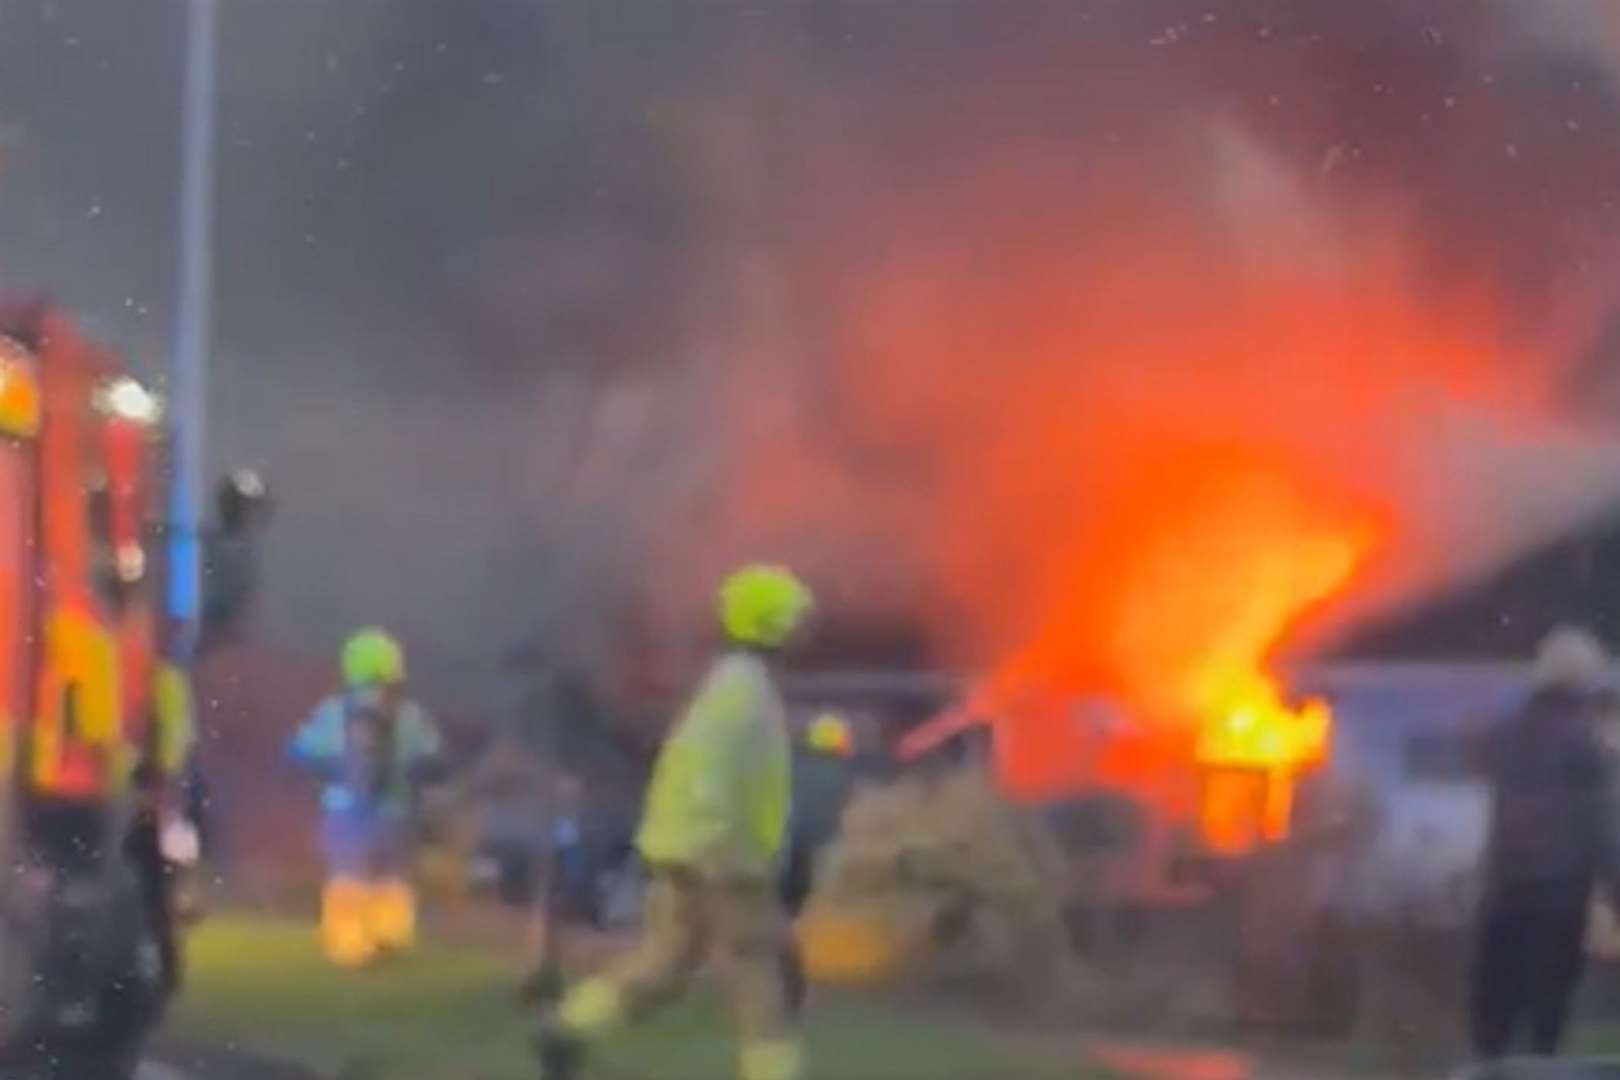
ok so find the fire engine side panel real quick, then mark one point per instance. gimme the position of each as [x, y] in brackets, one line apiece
[122, 564]
[16, 602]
[63, 444]
[76, 730]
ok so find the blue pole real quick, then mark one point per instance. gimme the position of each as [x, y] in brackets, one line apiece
[188, 369]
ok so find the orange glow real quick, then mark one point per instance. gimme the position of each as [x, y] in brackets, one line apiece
[1142, 430]
[1254, 755]
[19, 391]
[1149, 463]
[1207, 588]
[1199, 577]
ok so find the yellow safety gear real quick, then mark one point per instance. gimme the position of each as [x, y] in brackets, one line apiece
[691, 919]
[762, 605]
[772, 1059]
[360, 920]
[829, 733]
[174, 719]
[391, 915]
[81, 665]
[345, 936]
[592, 1007]
[372, 657]
[718, 799]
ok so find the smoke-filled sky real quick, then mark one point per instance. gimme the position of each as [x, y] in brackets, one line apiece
[530, 310]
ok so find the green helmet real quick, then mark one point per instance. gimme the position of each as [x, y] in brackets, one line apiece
[371, 657]
[761, 605]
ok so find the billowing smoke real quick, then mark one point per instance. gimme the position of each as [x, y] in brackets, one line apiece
[914, 295]
[1126, 363]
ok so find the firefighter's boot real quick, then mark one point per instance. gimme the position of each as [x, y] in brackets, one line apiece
[345, 934]
[392, 915]
[562, 1056]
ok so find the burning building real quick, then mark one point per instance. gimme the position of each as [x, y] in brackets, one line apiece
[1141, 382]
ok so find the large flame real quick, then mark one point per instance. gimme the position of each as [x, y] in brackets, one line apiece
[1150, 463]
[1137, 434]
[1176, 611]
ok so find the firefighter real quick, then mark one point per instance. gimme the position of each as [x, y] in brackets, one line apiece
[372, 747]
[823, 775]
[713, 826]
[1550, 842]
[162, 843]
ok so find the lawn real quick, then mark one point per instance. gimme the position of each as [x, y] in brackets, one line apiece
[450, 1014]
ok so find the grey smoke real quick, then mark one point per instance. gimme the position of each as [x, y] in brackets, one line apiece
[487, 267]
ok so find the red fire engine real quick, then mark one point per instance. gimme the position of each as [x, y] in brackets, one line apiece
[88, 701]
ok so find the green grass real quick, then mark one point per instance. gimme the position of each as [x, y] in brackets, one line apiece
[1596, 1039]
[450, 1014]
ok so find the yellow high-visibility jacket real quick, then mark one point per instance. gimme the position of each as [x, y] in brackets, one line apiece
[719, 795]
[174, 718]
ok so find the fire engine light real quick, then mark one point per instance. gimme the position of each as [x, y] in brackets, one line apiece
[19, 394]
[127, 399]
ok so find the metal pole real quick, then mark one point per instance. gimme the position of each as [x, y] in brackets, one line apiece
[188, 369]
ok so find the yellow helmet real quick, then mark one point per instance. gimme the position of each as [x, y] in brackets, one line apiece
[829, 733]
[761, 605]
[371, 657]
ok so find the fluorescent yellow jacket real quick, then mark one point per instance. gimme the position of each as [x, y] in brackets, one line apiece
[174, 720]
[718, 800]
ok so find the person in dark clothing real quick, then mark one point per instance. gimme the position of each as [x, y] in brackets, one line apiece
[1550, 843]
[154, 875]
[823, 775]
[571, 875]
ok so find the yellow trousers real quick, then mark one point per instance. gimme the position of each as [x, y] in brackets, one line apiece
[361, 919]
[736, 924]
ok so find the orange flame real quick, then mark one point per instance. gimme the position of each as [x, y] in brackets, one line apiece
[1132, 441]
[1175, 612]
[1246, 731]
